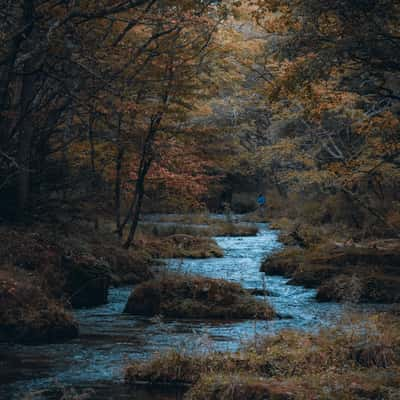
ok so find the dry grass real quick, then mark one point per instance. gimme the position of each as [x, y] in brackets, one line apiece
[181, 246]
[28, 315]
[357, 360]
[188, 296]
[232, 229]
[45, 268]
[342, 270]
[211, 228]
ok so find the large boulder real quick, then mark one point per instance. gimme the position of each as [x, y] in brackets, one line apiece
[87, 280]
[184, 296]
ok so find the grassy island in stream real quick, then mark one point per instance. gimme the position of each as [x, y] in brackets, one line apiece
[183, 246]
[357, 360]
[201, 226]
[187, 296]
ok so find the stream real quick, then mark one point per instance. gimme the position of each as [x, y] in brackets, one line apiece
[109, 340]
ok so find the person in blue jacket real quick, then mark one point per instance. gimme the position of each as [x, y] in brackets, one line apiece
[261, 200]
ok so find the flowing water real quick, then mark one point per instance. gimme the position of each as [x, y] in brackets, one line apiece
[109, 340]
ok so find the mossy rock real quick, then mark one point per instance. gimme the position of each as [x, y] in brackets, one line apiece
[196, 297]
[87, 281]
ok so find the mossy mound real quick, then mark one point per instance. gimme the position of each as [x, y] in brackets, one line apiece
[27, 315]
[184, 296]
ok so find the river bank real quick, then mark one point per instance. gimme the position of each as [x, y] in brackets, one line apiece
[341, 264]
[360, 360]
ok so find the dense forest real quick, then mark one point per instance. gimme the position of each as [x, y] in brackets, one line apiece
[235, 164]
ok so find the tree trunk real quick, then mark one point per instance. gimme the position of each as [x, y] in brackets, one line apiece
[93, 183]
[65, 138]
[24, 146]
[118, 178]
[26, 129]
[139, 190]
[145, 163]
